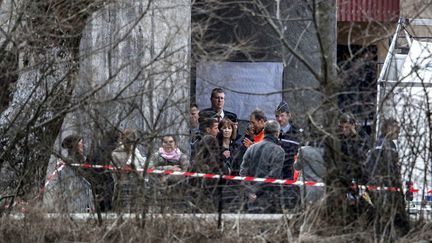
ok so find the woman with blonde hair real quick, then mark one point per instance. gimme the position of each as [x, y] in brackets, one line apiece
[127, 156]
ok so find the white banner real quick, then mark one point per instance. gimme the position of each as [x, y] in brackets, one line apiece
[247, 86]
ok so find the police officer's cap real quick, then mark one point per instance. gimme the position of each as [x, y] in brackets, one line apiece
[282, 107]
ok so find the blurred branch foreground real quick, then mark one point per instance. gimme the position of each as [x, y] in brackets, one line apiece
[118, 75]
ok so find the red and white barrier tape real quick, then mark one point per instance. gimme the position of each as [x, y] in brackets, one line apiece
[235, 178]
[59, 167]
[204, 175]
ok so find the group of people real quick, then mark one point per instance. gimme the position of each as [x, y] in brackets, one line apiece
[277, 149]
[78, 189]
[266, 149]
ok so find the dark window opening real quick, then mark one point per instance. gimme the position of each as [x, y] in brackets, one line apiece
[357, 74]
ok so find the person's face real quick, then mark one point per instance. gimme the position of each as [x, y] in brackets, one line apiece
[257, 125]
[394, 131]
[249, 129]
[213, 130]
[218, 101]
[168, 144]
[283, 118]
[80, 146]
[193, 116]
[346, 129]
[227, 131]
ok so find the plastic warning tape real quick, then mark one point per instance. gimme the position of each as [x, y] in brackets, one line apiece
[59, 167]
[236, 178]
[204, 175]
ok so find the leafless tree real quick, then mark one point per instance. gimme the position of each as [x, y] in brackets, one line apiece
[97, 67]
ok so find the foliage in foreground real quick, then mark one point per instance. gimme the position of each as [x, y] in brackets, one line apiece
[34, 227]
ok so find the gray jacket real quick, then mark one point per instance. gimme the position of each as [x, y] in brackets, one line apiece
[313, 168]
[67, 191]
[264, 160]
[311, 163]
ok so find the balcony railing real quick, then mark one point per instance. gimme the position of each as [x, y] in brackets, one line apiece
[368, 10]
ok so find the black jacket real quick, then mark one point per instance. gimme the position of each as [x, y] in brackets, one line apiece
[290, 142]
[230, 115]
[383, 164]
[354, 150]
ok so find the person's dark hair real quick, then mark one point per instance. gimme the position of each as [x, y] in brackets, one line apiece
[70, 142]
[207, 123]
[206, 114]
[169, 135]
[192, 105]
[259, 115]
[207, 156]
[387, 123]
[227, 123]
[271, 126]
[216, 91]
[347, 118]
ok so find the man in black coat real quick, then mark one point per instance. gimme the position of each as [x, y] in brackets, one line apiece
[384, 169]
[290, 141]
[289, 137]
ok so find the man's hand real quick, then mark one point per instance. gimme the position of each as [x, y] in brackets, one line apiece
[176, 168]
[227, 154]
[252, 197]
[247, 142]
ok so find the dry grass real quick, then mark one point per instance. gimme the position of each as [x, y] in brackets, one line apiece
[305, 227]
[37, 228]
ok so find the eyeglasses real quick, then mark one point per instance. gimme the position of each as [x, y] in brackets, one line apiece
[169, 141]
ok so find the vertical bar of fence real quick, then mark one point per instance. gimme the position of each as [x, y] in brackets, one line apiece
[220, 200]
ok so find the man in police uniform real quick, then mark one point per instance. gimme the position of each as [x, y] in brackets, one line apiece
[289, 139]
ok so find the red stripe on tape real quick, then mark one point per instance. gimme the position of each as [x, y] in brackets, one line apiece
[289, 182]
[230, 177]
[209, 175]
[372, 188]
[310, 183]
[189, 173]
[127, 168]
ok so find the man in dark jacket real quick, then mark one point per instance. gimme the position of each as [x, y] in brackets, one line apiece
[385, 170]
[289, 139]
[218, 101]
[264, 160]
[354, 149]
